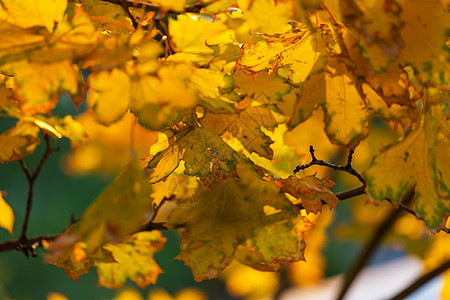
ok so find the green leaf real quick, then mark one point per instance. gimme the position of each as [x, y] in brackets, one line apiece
[118, 211]
[246, 211]
[198, 147]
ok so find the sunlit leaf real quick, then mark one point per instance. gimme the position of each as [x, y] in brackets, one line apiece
[418, 158]
[6, 215]
[18, 141]
[109, 95]
[31, 13]
[246, 126]
[133, 259]
[203, 33]
[199, 148]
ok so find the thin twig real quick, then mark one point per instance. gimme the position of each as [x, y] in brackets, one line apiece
[25, 246]
[422, 280]
[126, 8]
[347, 168]
[373, 243]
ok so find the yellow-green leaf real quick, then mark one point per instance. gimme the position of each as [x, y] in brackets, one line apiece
[418, 158]
[246, 211]
[117, 212]
[6, 215]
[198, 147]
[133, 259]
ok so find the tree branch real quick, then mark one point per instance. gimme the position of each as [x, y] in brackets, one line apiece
[25, 245]
[422, 280]
[373, 243]
[347, 168]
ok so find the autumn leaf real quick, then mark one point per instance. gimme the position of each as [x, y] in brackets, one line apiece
[246, 125]
[116, 213]
[133, 259]
[345, 111]
[37, 93]
[418, 158]
[234, 213]
[203, 34]
[29, 13]
[18, 141]
[296, 49]
[6, 215]
[310, 190]
[198, 147]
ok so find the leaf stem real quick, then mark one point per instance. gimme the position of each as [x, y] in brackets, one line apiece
[373, 243]
[422, 280]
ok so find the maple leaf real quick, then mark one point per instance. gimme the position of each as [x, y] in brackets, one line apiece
[31, 13]
[198, 147]
[6, 215]
[262, 87]
[418, 158]
[245, 125]
[233, 213]
[116, 213]
[310, 190]
[297, 49]
[203, 33]
[37, 93]
[133, 259]
[345, 111]
[18, 141]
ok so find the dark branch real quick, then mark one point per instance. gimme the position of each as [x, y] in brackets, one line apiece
[422, 280]
[347, 168]
[373, 243]
[25, 245]
[126, 8]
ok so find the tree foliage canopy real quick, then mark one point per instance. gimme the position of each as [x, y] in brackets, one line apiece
[210, 107]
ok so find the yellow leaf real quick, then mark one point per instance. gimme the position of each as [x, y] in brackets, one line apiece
[246, 282]
[18, 141]
[56, 296]
[107, 149]
[128, 294]
[38, 93]
[345, 112]
[109, 95]
[259, 21]
[176, 5]
[6, 215]
[419, 159]
[30, 13]
[202, 33]
[425, 38]
[297, 49]
[246, 126]
[133, 259]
